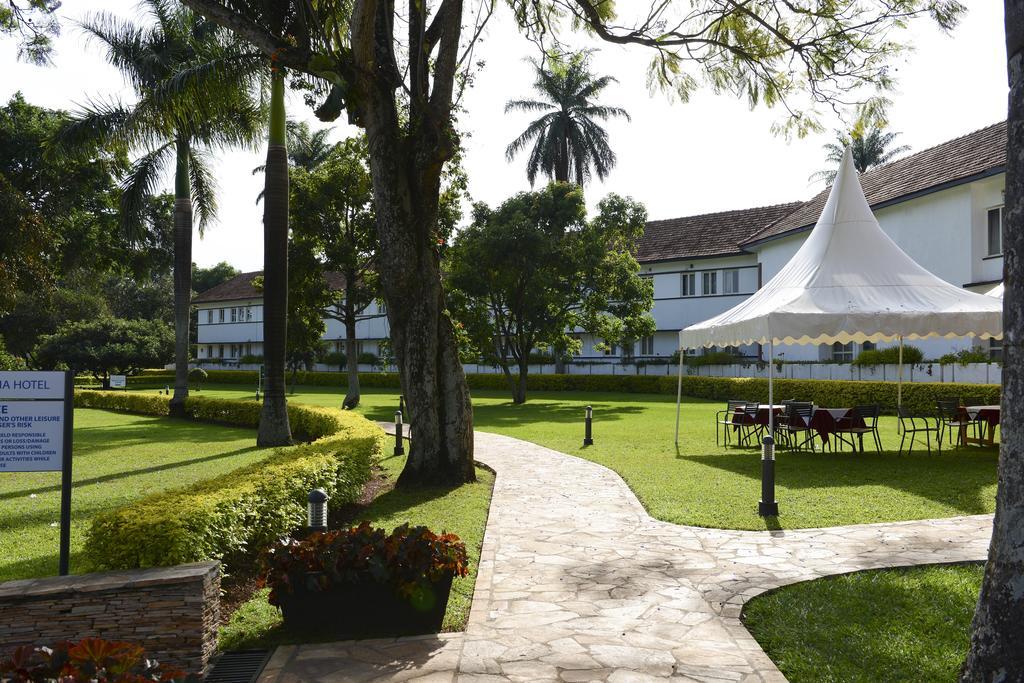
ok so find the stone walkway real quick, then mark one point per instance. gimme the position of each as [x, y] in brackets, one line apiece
[577, 583]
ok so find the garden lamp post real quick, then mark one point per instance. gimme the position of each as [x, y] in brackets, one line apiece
[316, 514]
[588, 434]
[399, 446]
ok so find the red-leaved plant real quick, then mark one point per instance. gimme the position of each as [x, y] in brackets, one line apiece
[90, 660]
[408, 559]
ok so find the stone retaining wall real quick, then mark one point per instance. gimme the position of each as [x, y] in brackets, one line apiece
[173, 612]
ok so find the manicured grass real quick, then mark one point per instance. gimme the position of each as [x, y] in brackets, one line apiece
[463, 511]
[872, 626]
[706, 485]
[117, 458]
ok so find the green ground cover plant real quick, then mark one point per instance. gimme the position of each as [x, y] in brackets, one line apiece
[118, 458]
[876, 626]
[707, 485]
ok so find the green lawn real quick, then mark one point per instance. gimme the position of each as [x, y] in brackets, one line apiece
[872, 626]
[705, 485]
[462, 510]
[117, 458]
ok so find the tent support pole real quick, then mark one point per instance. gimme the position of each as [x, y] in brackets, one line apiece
[899, 382]
[771, 383]
[679, 393]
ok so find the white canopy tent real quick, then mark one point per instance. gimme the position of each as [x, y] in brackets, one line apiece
[996, 291]
[849, 282]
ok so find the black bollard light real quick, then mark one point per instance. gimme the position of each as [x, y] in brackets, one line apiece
[167, 390]
[768, 507]
[588, 435]
[399, 446]
[316, 514]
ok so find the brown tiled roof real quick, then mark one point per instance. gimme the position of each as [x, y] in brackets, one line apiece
[710, 234]
[976, 154]
[241, 287]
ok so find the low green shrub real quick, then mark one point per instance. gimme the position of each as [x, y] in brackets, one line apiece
[250, 359]
[335, 358]
[889, 356]
[965, 356]
[245, 509]
[713, 358]
[367, 358]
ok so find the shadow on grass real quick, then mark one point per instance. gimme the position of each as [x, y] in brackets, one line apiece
[955, 480]
[41, 566]
[128, 473]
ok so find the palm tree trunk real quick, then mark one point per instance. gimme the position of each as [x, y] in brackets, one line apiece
[274, 429]
[182, 276]
[562, 165]
[997, 633]
[351, 348]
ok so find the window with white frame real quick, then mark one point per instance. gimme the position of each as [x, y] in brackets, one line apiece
[842, 353]
[234, 315]
[731, 281]
[688, 284]
[248, 313]
[220, 315]
[710, 283]
[995, 349]
[209, 315]
[647, 346]
[995, 231]
[611, 349]
[220, 348]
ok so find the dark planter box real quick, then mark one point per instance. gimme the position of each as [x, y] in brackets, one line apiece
[365, 609]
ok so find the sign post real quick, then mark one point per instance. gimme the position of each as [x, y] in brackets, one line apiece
[36, 432]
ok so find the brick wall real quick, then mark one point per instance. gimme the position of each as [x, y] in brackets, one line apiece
[173, 612]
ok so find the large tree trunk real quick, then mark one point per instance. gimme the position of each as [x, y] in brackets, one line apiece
[182, 276]
[997, 634]
[274, 429]
[351, 349]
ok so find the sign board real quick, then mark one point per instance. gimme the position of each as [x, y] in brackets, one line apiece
[118, 382]
[31, 436]
[36, 423]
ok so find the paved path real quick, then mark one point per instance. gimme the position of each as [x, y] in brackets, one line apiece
[577, 583]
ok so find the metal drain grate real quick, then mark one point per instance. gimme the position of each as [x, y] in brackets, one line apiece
[242, 666]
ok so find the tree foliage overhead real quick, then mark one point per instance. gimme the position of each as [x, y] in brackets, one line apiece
[34, 24]
[535, 272]
[567, 140]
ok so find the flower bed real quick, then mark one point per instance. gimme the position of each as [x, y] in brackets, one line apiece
[364, 580]
[91, 660]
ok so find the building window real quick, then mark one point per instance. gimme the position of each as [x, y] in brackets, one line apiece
[248, 313]
[710, 283]
[382, 307]
[688, 284]
[611, 349]
[647, 346]
[628, 350]
[220, 315]
[220, 348]
[234, 315]
[868, 346]
[209, 315]
[995, 349]
[995, 231]
[842, 353]
[730, 281]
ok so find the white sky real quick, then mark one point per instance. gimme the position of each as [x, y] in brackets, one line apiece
[711, 154]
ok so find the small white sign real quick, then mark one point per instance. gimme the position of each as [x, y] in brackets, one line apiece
[118, 381]
[21, 385]
[31, 436]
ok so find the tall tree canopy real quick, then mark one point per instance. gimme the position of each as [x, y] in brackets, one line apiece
[398, 69]
[567, 140]
[535, 272]
[870, 148]
[33, 23]
[185, 107]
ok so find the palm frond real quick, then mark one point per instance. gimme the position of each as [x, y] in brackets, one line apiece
[532, 131]
[528, 105]
[141, 183]
[204, 187]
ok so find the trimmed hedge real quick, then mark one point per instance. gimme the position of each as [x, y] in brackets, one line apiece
[917, 396]
[247, 508]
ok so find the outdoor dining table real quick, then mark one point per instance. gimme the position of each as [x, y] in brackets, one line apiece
[824, 421]
[988, 417]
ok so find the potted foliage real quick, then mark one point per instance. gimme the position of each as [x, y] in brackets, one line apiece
[90, 660]
[364, 581]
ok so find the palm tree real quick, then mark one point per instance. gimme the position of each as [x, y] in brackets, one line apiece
[870, 150]
[306, 148]
[193, 85]
[567, 141]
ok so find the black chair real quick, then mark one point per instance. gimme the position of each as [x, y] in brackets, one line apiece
[980, 424]
[869, 414]
[725, 419]
[747, 424]
[796, 424]
[952, 417]
[916, 424]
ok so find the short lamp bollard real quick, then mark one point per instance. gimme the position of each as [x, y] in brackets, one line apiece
[768, 507]
[588, 434]
[167, 390]
[399, 446]
[317, 511]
